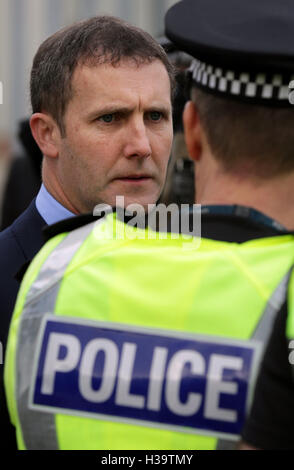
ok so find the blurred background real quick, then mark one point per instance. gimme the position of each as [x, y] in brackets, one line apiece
[24, 24]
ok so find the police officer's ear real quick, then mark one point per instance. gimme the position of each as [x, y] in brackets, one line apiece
[193, 131]
[46, 133]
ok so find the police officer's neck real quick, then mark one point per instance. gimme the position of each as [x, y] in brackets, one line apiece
[274, 197]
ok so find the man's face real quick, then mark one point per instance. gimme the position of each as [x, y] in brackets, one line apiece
[118, 135]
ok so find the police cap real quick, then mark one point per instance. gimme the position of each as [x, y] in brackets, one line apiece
[241, 48]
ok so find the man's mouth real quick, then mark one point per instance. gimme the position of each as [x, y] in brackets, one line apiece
[136, 179]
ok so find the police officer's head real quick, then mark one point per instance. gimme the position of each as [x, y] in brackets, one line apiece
[244, 62]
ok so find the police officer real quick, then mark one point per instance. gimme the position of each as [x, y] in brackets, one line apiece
[129, 338]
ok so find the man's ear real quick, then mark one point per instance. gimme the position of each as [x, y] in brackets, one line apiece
[193, 131]
[46, 133]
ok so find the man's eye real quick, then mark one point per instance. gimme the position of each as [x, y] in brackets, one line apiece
[155, 115]
[107, 118]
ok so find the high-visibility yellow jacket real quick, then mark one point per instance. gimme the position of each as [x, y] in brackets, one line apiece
[136, 343]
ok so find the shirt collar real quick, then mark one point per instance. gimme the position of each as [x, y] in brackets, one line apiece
[50, 209]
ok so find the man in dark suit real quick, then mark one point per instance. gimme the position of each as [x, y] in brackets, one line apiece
[101, 98]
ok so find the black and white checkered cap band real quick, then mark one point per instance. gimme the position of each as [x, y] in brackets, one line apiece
[266, 87]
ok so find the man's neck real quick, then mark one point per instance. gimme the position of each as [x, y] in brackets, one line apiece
[54, 188]
[275, 197]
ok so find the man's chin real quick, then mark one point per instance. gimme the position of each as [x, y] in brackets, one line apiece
[132, 204]
[138, 198]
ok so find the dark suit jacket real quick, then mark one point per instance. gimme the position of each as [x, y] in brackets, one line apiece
[21, 188]
[18, 245]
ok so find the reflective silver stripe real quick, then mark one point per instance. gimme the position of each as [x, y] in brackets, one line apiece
[38, 428]
[54, 267]
[274, 304]
[262, 332]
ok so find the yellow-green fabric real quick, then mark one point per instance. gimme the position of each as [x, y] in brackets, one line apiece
[218, 289]
[290, 308]
[29, 278]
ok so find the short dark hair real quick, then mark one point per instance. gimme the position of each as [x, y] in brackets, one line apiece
[98, 40]
[245, 137]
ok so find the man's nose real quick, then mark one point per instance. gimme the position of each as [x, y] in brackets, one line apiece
[137, 140]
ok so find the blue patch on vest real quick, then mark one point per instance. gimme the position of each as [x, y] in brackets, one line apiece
[188, 383]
